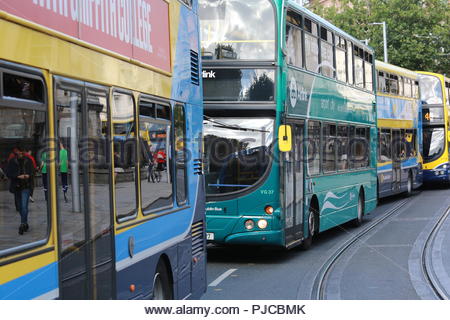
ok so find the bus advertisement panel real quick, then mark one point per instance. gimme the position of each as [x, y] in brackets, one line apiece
[135, 29]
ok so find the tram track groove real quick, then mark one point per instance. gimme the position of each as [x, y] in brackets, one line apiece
[318, 290]
[427, 260]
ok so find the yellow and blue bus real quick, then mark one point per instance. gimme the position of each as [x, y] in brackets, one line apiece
[96, 228]
[435, 96]
[399, 123]
[290, 123]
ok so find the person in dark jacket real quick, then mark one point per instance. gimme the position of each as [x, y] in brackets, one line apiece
[20, 172]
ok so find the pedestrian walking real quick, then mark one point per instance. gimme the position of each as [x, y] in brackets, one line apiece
[20, 171]
[63, 169]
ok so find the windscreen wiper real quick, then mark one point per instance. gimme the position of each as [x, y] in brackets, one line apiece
[227, 126]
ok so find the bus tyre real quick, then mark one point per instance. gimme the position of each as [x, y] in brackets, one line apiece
[409, 186]
[162, 289]
[312, 227]
[359, 211]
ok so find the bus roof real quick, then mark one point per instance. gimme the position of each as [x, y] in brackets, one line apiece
[327, 24]
[387, 67]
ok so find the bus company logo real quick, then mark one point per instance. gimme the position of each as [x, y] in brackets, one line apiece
[213, 209]
[296, 93]
[208, 74]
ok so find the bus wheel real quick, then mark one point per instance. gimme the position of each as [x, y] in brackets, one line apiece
[312, 227]
[360, 211]
[409, 188]
[162, 290]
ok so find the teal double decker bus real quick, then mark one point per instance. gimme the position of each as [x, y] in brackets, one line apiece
[289, 126]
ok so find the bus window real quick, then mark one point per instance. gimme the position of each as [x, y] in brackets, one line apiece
[326, 51]
[408, 88]
[410, 143]
[313, 147]
[124, 151]
[342, 148]
[359, 69]
[341, 71]
[329, 147]
[180, 154]
[155, 150]
[393, 84]
[237, 151]
[69, 126]
[433, 142]
[21, 87]
[447, 87]
[381, 82]
[400, 86]
[22, 145]
[385, 145]
[311, 46]
[294, 39]
[231, 30]
[350, 63]
[368, 64]
[360, 148]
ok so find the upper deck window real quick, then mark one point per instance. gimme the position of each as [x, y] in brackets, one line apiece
[430, 89]
[237, 30]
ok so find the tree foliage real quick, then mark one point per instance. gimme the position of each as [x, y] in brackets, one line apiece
[418, 31]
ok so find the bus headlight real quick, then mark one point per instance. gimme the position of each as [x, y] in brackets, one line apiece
[249, 224]
[262, 223]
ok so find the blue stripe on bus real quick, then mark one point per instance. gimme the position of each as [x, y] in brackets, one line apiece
[153, 232]
[31, 285]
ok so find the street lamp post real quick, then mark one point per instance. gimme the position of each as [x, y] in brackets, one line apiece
[384, 38]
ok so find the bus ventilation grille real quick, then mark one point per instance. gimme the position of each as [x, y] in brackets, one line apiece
[198, 240]
[198, 166]
[195, 74]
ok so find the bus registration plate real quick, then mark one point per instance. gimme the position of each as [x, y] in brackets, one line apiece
[209, 236]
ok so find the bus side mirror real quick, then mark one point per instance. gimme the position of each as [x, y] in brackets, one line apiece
[285, 138]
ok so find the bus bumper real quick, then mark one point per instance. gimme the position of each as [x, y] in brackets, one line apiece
[272, 238]
[231, 230]
[438, 175]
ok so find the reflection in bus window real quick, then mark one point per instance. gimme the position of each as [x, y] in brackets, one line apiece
[433, 143]
[124, 155]
[329, 147]
[342, 148]
[155, 149]
[180, 153]
[231, 29]
[313, 147]
[237, 151]
[22, 143]
[71, 203]
[15, 86]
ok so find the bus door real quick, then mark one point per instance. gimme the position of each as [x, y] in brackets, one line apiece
[396, 160]
[293, 185]
[86, 255]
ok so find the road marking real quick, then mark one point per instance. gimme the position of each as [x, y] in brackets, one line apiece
[222, 277]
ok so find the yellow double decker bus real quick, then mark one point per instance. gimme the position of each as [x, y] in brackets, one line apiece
[78, 216]
[435, 95]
